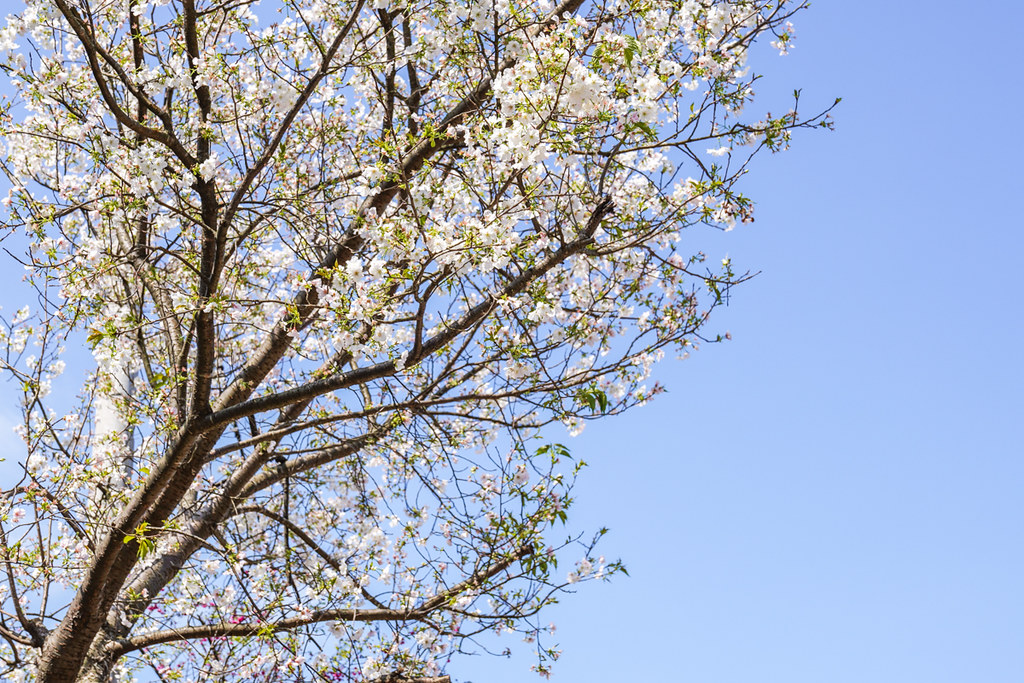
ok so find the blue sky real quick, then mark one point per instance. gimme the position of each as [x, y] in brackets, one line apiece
[836, 494]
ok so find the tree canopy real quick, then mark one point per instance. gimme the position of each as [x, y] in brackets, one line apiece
[339, 266]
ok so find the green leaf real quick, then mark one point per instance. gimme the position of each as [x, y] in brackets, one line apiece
[94, 338]
[594, 398]
[631, 48]
[145, 545]
[646, 128]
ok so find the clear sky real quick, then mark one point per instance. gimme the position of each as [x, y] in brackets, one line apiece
[837, 495]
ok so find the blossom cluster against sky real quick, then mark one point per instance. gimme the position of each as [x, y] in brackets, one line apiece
[835, 495]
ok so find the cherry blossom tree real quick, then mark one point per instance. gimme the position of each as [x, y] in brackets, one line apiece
[341, 265]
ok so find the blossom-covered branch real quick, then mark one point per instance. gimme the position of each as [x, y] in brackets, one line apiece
[344, 270]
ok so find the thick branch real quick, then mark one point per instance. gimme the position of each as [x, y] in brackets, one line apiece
[170, 480]
[325, 385]
[94, 52]
[279, 338]
[231, 630]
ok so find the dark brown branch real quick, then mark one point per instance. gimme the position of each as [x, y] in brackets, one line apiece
[231, 630]
[309, 462]
[319, 387]
[304, 303]
[171, 478]
[10, 635]
[307, 92]
[93, 53]
[308, 540]
[65, 513]
[31, 627]
[476, 580]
